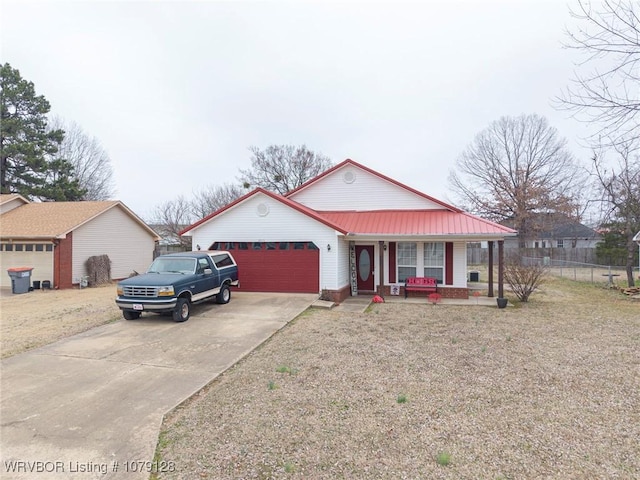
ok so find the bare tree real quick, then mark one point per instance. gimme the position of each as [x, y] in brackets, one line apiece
[620, 186]
[282, 168]
[91, 163]
[604, 89]
[523, 276]
[214, 197]
[514, 169]
[170, 218]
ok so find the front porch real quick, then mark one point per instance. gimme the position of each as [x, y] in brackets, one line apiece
[361, 302]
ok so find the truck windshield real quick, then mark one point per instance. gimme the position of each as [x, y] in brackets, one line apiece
[173, 265]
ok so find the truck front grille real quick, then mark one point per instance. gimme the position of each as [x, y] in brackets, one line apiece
[140, 291]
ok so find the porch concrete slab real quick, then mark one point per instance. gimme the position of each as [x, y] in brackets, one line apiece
[323, 304]
[360, 303]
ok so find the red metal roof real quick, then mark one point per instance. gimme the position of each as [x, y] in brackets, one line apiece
[414, 222]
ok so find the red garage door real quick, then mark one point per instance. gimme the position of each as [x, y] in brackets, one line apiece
[276, 266]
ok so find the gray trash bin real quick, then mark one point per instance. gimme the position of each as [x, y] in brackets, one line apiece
[20, 279]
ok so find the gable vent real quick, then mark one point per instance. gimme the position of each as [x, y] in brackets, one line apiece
[349, 176]
[262, 210]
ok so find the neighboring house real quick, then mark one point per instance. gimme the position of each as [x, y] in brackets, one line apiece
[57, 238]
[11, 201]
[348, 230]
[555, 231]
[170, 241]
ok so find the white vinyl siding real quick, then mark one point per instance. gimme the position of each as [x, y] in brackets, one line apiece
[114, 233]
[262, 219]
[366, 192]
[459, 264]
[11, 204]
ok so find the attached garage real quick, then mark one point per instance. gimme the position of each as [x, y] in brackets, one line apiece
[276, 266]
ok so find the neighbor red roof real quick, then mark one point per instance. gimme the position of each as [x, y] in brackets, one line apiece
[414, 222]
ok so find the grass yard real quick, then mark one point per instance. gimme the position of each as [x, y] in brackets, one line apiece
[548, 389]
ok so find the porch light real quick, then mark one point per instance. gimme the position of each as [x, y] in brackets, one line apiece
[328, 247]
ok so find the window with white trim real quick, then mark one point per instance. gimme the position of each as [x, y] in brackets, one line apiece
[407, 259]
[434, 260]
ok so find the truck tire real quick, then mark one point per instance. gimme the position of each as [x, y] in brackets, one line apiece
[182, 310]
[130, 315]
[224, 295]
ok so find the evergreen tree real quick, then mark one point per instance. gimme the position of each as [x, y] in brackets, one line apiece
[26, 147]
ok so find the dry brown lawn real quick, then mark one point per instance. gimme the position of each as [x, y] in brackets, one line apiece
[549, 389]
[33, 319]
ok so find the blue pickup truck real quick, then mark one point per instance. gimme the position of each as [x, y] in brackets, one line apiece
[175, 281]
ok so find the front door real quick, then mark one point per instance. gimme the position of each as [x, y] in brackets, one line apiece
[364, 266]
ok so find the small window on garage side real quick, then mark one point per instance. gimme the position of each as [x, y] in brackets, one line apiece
[229, 245]
[271, 246]
[243, 246]
[214, 246]
[1, 247]
[19, 247]
[311, 246]
[298, 245]
[9, 247]
[29, 247]
[284, 246]
[49, 248]
[257, 246]
[39, 247]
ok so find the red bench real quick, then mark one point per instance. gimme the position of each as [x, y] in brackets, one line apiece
[420, 284]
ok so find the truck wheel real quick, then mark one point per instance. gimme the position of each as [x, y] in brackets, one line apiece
[224, 295]
[130, 315]
[182, 310]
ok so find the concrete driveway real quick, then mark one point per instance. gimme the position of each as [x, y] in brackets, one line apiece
[91, 405]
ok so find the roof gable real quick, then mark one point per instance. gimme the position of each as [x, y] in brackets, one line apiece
[9, 201]
[352, 186]
[48, 220]
[261, 191]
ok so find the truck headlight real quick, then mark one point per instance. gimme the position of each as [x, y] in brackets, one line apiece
[119, 291]
[165, 291]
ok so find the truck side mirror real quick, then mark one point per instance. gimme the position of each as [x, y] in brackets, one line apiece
[208, 271]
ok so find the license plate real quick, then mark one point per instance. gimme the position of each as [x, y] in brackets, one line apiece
[138, 306]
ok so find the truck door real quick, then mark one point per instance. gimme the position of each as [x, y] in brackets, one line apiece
[205, 282]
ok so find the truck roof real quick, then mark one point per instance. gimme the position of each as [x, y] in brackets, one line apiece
[195, 253]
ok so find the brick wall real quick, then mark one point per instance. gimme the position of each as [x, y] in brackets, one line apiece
[62, 264]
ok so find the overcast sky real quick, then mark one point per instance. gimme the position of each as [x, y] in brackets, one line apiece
[178, 91]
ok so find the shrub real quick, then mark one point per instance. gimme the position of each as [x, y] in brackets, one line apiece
[523, 276]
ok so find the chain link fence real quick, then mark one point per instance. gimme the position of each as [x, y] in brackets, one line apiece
[584, 272]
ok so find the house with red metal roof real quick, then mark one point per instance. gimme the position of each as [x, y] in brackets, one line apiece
[348, 231]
